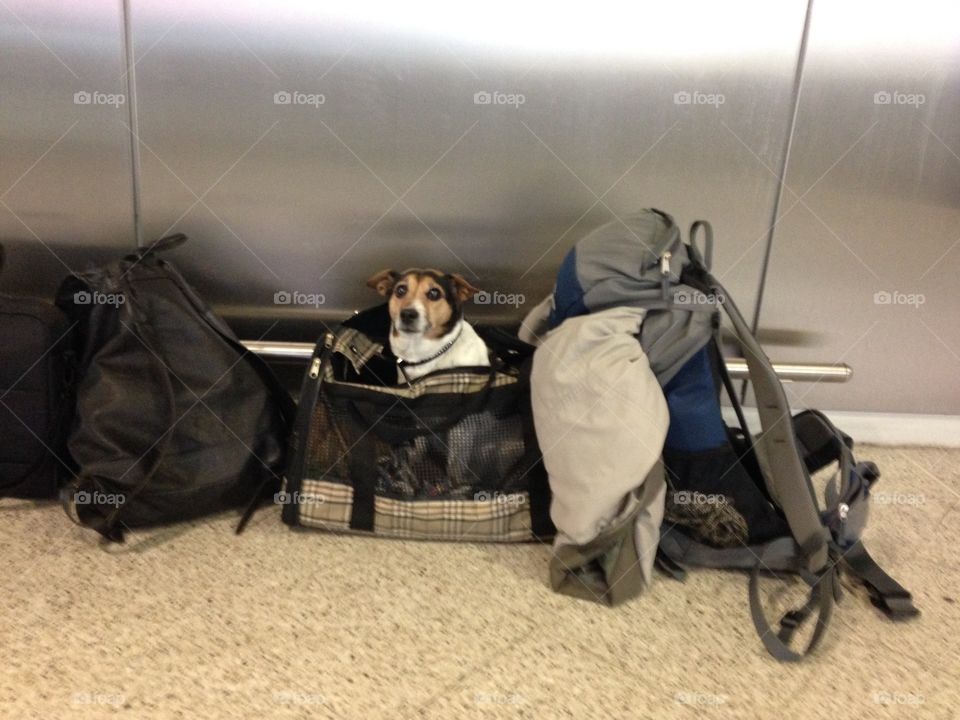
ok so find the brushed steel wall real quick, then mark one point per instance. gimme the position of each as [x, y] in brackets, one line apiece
[866, 251]
[307, 145]
[66, 191]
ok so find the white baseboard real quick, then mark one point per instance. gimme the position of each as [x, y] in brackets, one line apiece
[881, 428]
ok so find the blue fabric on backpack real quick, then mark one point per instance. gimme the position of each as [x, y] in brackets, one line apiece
[695, 419]
[568, 294]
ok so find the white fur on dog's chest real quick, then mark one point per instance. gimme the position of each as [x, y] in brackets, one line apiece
[468, 350]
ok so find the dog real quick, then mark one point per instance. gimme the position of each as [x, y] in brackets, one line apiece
[427, 329]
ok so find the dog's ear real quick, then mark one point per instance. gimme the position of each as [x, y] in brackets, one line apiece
[383, 281]
[464, 289]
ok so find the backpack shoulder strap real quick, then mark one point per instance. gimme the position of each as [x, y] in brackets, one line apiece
[776, 447]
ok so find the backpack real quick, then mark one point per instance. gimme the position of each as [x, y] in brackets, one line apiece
[35, 402]
[734, 500]
[175, 418]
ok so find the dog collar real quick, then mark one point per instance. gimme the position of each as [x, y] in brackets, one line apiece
[441, 351]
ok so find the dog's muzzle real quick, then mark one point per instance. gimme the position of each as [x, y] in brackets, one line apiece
[408, 320]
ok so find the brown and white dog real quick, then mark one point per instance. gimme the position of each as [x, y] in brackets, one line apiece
[427, 329]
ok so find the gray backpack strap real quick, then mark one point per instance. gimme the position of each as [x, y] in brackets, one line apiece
[823, 591]
[780, 555]
[776, 447]
[679, 549]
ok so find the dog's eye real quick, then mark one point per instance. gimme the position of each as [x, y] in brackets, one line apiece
[400, 290]
[433, 294]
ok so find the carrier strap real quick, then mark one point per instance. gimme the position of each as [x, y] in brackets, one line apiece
[886, 594]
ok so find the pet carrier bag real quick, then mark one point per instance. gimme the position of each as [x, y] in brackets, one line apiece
[451, 455]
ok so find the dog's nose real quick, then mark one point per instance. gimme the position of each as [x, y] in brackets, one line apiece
[408, 315]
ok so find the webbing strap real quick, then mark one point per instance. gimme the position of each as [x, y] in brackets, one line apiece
[889, 596]
[821, 597]
[776, 446]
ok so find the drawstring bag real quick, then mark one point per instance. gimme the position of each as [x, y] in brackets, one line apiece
[175, 418]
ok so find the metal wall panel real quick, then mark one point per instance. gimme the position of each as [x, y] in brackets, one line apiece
[306, 145]
[65, 175]
[867, 248]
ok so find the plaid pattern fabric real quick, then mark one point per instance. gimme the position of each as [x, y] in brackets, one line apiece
[488, 520]
[468, 481]
[448, 382]
[358, 349]
[355, 346]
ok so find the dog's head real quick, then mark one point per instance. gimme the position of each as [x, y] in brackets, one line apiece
[423, 302]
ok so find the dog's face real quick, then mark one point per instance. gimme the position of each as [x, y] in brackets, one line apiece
[423, 302]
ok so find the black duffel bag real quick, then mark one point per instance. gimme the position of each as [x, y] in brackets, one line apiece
[35, 403]
[174, 417]
[450, 456]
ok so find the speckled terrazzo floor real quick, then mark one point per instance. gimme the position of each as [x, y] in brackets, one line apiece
[193, 622]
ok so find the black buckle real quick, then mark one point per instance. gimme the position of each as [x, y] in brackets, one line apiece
[896, 606]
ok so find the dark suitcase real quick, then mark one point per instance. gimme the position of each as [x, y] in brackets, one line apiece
[35, 406]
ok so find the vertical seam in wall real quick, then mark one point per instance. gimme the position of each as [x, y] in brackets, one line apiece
[784, 163]
[131, 88]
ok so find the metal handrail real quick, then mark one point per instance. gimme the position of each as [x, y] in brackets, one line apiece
[737, 367]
